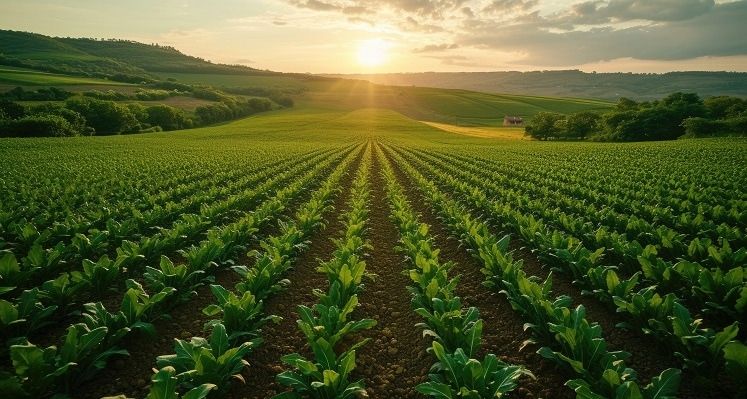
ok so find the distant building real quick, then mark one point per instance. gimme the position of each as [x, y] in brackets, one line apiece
[513, 121]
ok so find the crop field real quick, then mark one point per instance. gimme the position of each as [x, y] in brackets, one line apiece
[329, 253]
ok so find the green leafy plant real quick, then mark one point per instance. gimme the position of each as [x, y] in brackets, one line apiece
[207, 361]
[330, 322]
[182, 278]
[452, 326]
[326, 378]
[166, 386]
[459, 376]
[241, 315]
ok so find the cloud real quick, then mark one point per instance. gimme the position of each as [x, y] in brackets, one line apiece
[598, 12]
[547, 33]
[719, 32]
[503, 6]
[436, 47]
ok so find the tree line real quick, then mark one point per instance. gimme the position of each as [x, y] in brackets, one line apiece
[674, 116]
[83, 116]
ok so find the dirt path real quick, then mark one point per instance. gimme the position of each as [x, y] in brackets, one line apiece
[395, 361]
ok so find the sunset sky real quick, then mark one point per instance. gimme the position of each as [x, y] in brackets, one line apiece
[344, 36]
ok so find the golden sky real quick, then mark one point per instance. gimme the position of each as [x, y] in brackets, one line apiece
[367, 36]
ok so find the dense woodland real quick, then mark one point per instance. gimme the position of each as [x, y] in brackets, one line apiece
[674, 116]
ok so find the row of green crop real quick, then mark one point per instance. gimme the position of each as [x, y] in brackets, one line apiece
[688, 177]
[201, 365]
[571, 340]
[700, 349]
[624, 233]
[88, 344]
[87, 241]
[720, 291]
[131, 215]
[328, 323]
[83, 182]
[456, 331]
[37, 307]
[612, 196]
[41, 264]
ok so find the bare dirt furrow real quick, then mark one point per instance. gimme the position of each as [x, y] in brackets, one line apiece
[131, 375]
[285, 337]
[648, 357]
[503, 333]
[395, 361]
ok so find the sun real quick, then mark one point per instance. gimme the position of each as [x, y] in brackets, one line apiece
[373, 53]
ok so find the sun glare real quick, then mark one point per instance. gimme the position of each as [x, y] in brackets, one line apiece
[373, 53]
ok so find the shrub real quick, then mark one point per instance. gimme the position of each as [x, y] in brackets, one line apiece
[106, 117]
[37, 126]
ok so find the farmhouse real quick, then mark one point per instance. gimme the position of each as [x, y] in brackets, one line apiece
[512, 121]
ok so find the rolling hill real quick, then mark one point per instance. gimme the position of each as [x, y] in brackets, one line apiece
[573, 83]
[121, 59]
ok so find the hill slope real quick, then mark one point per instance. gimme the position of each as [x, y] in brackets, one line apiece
[609, 86]
[102, 57]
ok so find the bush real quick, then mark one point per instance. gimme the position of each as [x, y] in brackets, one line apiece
[106, 117]
[544, 125]
[702, 127]
[43, 94]
[168, 118]
[76, 120]
[12, 110]
[37, 126]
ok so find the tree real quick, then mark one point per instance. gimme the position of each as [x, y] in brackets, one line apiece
[543, 125]
[722, 107]
[12, 110]
[582, 124]
[106, 117]
[168, 118]
[37, 126]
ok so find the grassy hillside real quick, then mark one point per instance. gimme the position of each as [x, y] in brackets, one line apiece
[574, 83]
[102, 57]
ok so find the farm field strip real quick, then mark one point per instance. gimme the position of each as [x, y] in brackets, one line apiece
[681, 228]
[213, 262]
[329, 325]
[238, 327]
[127, 223]
[572, 341]
[43, 303]
[133, 255]
[710, 353]
[108, 329]
[456, 332]
[720, 290]
[632, 190]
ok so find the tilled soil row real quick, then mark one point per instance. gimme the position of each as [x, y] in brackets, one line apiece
[131, 375]
[648, 358]
[503, 333]
[285, 337]
[395, 360]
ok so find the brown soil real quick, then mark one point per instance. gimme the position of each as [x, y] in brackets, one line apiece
[285, 337]
[648, 358]
[395, 360]
[131, 375]
[503, 334]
